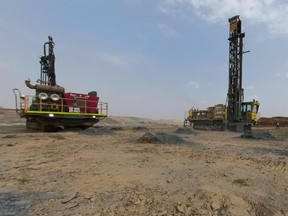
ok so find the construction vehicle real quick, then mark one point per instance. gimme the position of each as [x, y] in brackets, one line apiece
[236, 114]
[51, 107]
[215, 118]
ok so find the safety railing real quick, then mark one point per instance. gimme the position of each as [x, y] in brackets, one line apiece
[32, 104]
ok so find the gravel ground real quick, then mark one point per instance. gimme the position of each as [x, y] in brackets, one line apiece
[105, 171]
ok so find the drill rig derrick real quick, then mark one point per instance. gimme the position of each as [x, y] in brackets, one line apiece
[47, 81]
[47, 62]
[240, 115]
[235, 94]
[236, 114]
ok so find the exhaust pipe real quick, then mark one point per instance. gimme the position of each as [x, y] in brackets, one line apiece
[40, 87]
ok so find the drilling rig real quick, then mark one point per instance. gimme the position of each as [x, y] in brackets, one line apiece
[240, 115]
[51, 107]
[236, 114]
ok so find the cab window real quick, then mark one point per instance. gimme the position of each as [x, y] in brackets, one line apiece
[255, 108]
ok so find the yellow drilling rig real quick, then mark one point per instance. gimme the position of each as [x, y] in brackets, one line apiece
[236, 114]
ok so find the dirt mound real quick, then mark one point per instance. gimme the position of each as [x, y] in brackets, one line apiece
[94, 131]
[116, 128]
[157, 201]
[110, 120]
[140, 128]
[257, 135]
[185, 130]
[149, 138]
[161, 138]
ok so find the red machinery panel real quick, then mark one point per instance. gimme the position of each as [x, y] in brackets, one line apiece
[83, 103]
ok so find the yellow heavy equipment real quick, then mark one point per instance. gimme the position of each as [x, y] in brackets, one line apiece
[236, 114]
[215, 118]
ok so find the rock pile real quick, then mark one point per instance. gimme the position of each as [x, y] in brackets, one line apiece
[185, 130]
[140, 128]
[257, 135]
[94, 131]
[161, 138]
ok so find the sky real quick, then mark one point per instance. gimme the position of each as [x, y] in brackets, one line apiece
[147, 58]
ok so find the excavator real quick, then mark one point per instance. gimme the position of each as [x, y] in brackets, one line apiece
[52, 107]
[235, 115]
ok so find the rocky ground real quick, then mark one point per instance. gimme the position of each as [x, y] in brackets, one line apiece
[133, 166]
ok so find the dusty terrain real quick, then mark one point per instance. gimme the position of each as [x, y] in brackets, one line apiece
[132, 166]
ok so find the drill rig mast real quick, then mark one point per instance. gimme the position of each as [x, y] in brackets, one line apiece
[235, 115]
[47, 62]
[235, 94]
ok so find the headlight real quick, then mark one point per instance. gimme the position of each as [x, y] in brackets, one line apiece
[55, 97]
[43, 96]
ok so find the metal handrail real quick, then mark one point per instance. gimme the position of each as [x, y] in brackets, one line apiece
[15, 91]
[61, 107]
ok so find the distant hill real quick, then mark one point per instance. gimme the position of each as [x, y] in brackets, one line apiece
[264, 121]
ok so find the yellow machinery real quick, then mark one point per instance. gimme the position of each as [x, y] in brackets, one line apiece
[211, 118]
[237, 115]
[215, 118]
[250, 112]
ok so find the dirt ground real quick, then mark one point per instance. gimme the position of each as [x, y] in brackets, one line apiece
[133, 166]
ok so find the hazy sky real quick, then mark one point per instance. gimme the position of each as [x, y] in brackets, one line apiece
[147, 58]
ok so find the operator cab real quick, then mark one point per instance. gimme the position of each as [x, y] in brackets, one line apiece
[250, 111]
